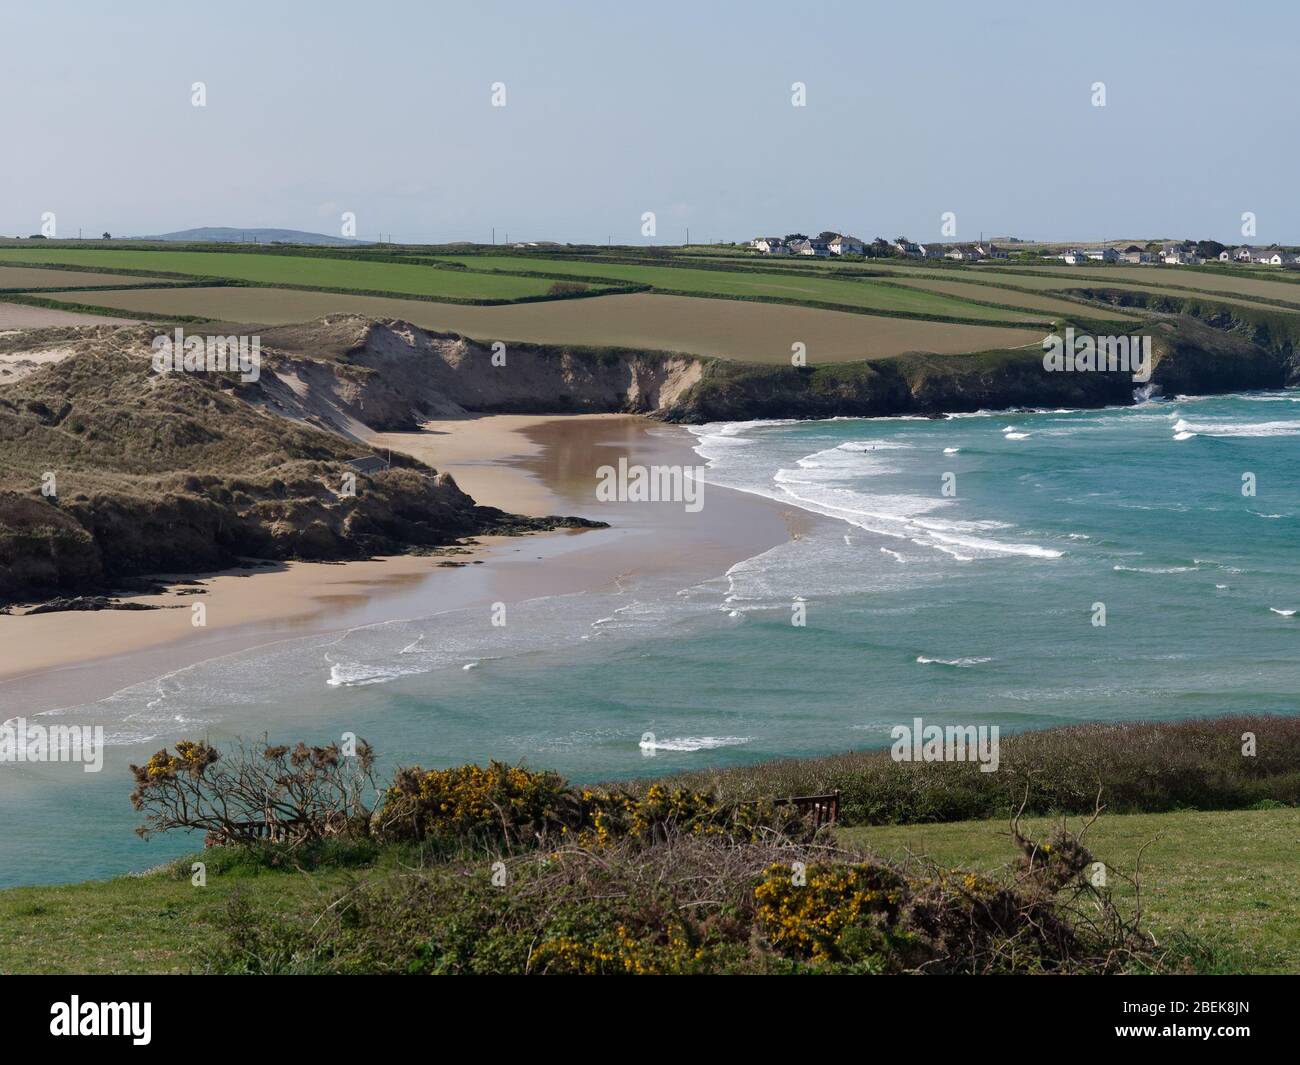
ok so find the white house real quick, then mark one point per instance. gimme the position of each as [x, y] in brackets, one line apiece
[1179, 257]
[845, 245]
[767, 245]
[817, 248]
[906, 247]
[931, 251]
[1073, 256]
[1103, 255]
[1269, 257]
[989, 250]
[963, 253]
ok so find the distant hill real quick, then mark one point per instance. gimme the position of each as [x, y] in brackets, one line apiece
[246, 236]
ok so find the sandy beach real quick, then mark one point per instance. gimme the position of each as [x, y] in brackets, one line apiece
[527, 464]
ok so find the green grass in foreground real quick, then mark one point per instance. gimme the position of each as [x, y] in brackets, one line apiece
[257, 268]
[156, 922]
[1226, 878]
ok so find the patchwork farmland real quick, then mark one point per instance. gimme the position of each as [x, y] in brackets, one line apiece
[732, 305]
[756, 332]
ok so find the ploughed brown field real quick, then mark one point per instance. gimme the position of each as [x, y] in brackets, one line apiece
[757, 332]
[29, 277]
[20, 316]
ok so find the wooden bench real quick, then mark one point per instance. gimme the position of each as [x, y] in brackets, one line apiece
[825, 809]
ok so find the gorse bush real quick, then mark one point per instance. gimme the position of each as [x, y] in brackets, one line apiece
[507, 804]
[511, 806]
[1137, 767]
[303, 794]
[503, 869]
[694, 903]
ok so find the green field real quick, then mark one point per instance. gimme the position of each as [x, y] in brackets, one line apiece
[761, 284]
[971, 290]
[275, 269]
[1226, 878]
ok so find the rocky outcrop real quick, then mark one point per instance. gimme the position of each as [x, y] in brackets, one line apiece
[108, 470]
[357, 374]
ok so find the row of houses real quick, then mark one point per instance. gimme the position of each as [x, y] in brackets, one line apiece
[1179, 253]
[1270, 256]
[1171, 253]
[843, 244]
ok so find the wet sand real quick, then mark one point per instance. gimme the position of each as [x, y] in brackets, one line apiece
[524, 464]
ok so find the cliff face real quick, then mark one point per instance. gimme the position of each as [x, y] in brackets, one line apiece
[356, 375]
[359, 374]
[1205, 346]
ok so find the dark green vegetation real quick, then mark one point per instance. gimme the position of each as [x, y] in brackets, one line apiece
[1139, 767]
[474, 870]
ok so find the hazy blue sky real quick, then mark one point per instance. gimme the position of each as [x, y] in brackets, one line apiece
[383, 108]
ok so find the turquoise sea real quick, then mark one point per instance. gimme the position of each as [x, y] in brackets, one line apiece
[975, 606]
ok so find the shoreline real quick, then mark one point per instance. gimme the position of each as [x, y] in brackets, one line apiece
[532, 464]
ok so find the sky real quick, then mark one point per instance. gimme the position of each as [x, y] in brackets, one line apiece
[384, 110]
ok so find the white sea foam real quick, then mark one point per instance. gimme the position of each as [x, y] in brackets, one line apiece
[1282, 613]
[357, 674]
[693, 743]
[1226, 428]
[960, 663]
